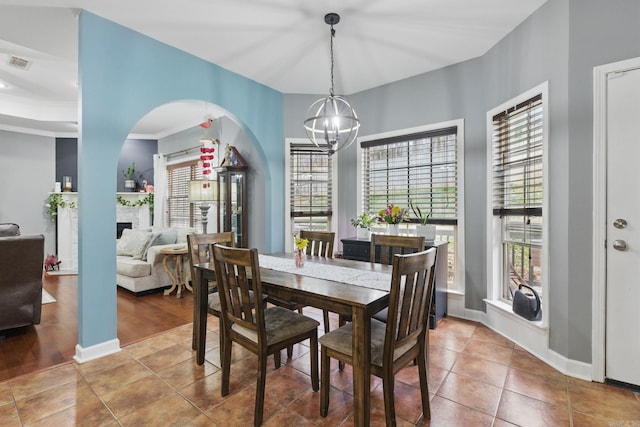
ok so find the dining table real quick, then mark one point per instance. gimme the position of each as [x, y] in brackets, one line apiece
[346, 287]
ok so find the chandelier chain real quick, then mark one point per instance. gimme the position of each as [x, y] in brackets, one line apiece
[333, 34]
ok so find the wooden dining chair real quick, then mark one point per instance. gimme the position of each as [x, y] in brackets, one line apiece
[388, 246]
[404, 338]
[320, 244]
[382, 249]
[263, 331]
[201, 251]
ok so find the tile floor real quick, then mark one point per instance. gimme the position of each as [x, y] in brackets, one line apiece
[476, 378]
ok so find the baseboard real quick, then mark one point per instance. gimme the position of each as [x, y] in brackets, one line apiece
[61, 272]
[532, 338]
[87, 354]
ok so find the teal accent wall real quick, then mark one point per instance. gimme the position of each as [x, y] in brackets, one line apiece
[122, 76]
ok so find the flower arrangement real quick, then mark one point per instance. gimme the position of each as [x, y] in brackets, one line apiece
[393, 214]
[301, 244]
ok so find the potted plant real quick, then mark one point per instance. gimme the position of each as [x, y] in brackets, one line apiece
[363, 225]
[129, 177]
[423, 229]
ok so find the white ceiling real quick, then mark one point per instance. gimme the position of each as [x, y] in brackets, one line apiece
[283, 44]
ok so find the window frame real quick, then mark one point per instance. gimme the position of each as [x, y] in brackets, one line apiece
[495, 261]
[459, 273]
[195, 221]
[333, 223]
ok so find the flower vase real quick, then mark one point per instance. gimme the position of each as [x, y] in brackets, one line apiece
[363, 233]
[394, 229]
[428, 231]
[300, 256]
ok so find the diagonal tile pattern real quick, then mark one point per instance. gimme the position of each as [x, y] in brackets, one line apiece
[476, 378]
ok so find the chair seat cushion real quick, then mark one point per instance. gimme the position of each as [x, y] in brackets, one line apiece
[340, 340]
[215, 308]
[280, 324]
[213, 301]
[127, 266]
[381, 315]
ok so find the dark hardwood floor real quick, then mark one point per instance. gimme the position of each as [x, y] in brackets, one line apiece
[53, 341]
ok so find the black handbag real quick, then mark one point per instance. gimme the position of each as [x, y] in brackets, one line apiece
[526, 303]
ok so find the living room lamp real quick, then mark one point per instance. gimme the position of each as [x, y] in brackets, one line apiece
[331, 122]
[203, 191]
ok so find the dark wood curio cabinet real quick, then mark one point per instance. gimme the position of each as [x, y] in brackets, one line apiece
[232, 194]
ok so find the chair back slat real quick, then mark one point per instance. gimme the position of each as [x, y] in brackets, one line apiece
[409, 298]
[320, 242]
[201, 248]
[388, 246]
[237, 273]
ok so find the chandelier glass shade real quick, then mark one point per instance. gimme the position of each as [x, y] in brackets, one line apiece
[331, 123]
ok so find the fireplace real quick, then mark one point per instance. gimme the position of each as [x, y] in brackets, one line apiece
[131, 216]
[120, 226]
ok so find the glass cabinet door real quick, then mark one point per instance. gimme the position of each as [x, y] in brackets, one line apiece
[222, 203]
[236, 181]
[232, 204]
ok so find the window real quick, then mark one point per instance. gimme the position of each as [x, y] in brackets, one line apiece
[424, 168]
[518, 195]
[182, 213]
[310, 182]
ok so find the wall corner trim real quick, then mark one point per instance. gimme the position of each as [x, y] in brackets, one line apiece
[86, 354]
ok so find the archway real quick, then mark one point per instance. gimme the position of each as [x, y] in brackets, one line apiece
[124, 75]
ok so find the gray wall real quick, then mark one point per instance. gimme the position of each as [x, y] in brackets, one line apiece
[235, 136]
[601, 32]
[28, 175]
[140, 152]
[560, 43]
[29, 167]
[67, 161]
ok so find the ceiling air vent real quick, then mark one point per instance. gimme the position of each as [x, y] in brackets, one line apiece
[19, 62]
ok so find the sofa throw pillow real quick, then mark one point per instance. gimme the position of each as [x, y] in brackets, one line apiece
[165, 237]
[9, 229]
[141, 245]
[132, 243]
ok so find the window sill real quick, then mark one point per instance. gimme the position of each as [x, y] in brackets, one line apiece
[506, 310]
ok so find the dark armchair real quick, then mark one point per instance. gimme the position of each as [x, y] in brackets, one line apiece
[21, 259]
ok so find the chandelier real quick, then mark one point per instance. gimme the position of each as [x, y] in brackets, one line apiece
[331, 122]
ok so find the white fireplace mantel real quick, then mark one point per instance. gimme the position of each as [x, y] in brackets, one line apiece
[67, 224]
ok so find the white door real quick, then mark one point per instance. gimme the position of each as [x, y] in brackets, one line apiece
[623, 228]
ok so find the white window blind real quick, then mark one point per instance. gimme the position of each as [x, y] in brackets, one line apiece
[181, 212]
[311, 192]
[420, 167]
[517, 160]
[517, 168]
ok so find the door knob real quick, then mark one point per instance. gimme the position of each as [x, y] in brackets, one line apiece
[620, 223]
[620, 245]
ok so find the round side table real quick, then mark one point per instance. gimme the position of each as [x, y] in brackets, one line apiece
[178, 280]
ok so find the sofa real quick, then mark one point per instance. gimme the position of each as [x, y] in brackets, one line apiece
[139, 261]
[21, 265]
